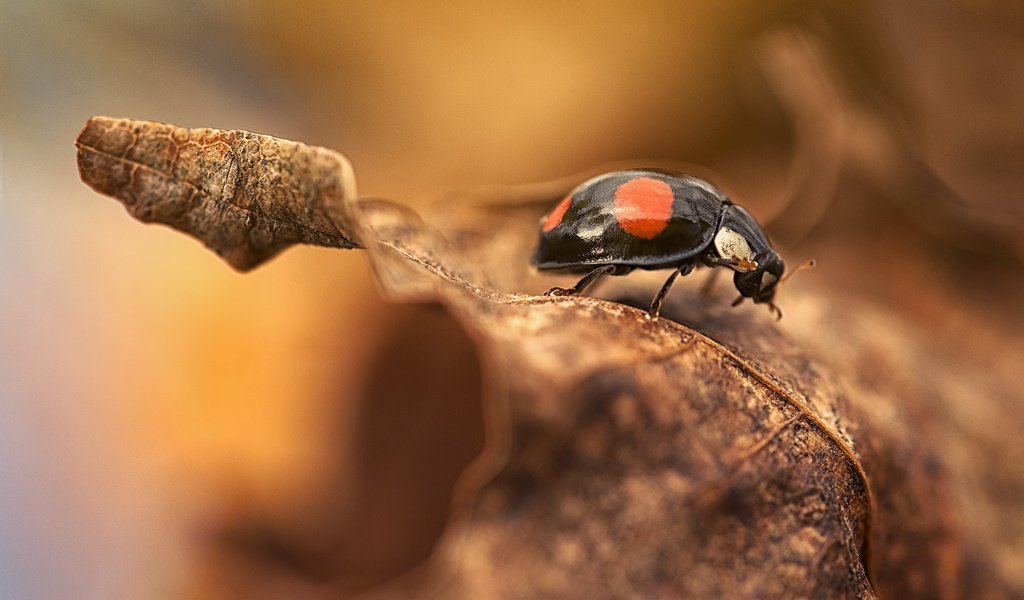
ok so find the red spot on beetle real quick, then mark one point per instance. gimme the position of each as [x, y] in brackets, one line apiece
[555, 217]
[643, 206]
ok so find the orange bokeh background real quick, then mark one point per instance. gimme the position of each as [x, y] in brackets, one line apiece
[145, 387]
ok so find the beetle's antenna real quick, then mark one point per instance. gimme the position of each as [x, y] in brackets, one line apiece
[776, 310]
[738, 300]
[807, 265]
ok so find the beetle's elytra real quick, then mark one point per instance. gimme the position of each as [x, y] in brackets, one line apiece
[654, 219]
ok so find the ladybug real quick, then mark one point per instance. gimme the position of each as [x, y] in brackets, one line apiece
[655, 219]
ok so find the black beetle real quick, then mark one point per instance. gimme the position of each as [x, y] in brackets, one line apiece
[654, 219]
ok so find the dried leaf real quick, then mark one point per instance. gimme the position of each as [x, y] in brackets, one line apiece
[246, 196]
[707, 454]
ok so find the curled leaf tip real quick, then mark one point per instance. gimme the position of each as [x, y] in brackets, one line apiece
[246, 196]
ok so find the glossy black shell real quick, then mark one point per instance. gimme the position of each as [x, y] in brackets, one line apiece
[589, 233]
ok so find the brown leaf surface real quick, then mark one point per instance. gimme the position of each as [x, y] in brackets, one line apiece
[636, 458]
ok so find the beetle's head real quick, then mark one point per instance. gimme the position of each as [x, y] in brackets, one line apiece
[759, 284]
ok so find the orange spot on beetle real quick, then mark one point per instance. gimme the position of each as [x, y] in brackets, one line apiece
[555, 217]
[643, 206]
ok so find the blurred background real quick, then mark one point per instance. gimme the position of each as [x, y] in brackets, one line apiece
[161, 416]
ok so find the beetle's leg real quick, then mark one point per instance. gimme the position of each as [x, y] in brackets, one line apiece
[740, 264]
[583, 284]
[660, 298]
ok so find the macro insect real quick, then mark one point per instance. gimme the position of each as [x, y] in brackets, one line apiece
[653, 219]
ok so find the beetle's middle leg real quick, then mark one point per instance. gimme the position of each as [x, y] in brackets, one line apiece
[660, 298]
[583, 284]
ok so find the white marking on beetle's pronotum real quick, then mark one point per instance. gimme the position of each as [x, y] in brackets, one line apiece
[730, 244]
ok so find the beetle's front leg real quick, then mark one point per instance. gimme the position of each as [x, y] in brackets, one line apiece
[740, 264]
